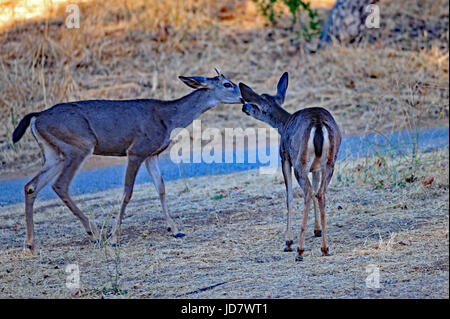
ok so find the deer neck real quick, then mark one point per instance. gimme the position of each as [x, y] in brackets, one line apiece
[181, 112]
[278, 118]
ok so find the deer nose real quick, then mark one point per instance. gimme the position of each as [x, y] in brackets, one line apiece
[245, 109]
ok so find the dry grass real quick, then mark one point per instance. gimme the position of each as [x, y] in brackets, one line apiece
[136, 49]
[238, 240]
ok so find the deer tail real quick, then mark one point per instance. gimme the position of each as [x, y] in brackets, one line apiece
[318, 140]
[22, 127]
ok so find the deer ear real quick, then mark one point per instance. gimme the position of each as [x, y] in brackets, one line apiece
[219, 74]
[282, 88]
[195, 82]
[248, 94]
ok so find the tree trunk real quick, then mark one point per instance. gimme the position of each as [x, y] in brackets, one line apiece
[346, 22]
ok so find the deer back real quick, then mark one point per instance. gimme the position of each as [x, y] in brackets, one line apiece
[297, 135]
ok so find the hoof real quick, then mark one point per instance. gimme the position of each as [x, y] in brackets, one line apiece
[288, 244]
[325, 252]
[179, 235]
[30, 248]
[317, 233]
[169, 229]
[299, 256]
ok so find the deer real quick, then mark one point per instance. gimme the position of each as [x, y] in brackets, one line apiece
[68, 133]
[309, 143]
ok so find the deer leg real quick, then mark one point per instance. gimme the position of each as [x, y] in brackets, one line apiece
[52, 167]
[321, 200]
[287, 174]
[302, 178]
[153, 169]
[326, 178]
[61, 187]
[316, 184]
[134, 162]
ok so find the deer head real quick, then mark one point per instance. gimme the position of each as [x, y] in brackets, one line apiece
[220, 87]
[265, 107]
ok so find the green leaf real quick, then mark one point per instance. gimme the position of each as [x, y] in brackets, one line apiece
[217, 197]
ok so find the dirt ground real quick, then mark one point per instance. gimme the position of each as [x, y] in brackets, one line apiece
[234, 229]
[384, 214]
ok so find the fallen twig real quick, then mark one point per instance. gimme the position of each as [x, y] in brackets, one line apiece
[202, 289]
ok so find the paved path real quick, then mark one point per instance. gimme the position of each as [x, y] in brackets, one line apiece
[111, 177]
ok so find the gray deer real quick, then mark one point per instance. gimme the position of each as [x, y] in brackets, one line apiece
[68, 133]
[310, 141]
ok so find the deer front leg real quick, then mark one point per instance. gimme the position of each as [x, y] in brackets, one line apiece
[134, 162]
[153, 169]
[287, 174]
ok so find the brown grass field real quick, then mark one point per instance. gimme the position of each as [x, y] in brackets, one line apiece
[239, 240]
[136, 49]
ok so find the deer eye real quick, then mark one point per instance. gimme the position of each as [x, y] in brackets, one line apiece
[227, 85]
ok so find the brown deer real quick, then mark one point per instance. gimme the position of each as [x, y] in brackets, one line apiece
[68, 133]
[310, 141]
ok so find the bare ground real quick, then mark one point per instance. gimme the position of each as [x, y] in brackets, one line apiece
[237, 240]
[392, 213]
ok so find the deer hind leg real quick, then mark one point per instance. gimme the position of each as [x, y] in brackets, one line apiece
[327, 173]
[303, 181]
[287, 174]
[316, 184]
[134, 162]
[52, 167]
[72, 162]
[153, 169]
